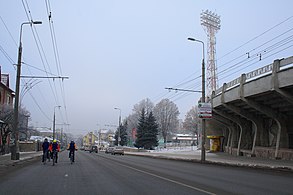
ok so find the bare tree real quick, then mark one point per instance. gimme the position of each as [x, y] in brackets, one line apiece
[6, 117]
[166, 113]
[132, 122]
[24, 116]
[132, 119]
[191, 121]
[145, 104]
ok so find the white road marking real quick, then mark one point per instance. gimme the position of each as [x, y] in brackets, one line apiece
[170, 180]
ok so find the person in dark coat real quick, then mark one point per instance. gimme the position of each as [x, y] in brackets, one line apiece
[71, 147]
[45, 147]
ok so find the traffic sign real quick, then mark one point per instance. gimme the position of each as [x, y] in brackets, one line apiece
[205, 110]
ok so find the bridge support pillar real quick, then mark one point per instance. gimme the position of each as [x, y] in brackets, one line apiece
[229, 125]
[275, 82]
[239, 122]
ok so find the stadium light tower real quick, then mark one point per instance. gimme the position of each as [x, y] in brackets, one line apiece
[211, 22]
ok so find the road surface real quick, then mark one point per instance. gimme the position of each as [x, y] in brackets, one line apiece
[108, 174]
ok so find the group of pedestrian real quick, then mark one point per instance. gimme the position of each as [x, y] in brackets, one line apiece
[49, 148]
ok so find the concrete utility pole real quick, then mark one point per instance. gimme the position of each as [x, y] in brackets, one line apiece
[54, 121]
[15, 131]
[203, 128]
[119, 138]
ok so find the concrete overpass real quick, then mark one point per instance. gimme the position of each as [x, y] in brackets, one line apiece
[254, 112]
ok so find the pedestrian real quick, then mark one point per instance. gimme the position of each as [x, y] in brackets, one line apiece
[45, 147]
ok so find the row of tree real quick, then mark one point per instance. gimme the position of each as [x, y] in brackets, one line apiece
[153, 123]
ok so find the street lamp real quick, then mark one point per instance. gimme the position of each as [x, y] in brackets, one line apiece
[15, 148]
[54, 121]
[203, 152]
[119, 138]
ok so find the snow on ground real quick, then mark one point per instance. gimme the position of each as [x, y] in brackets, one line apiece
[177, 149]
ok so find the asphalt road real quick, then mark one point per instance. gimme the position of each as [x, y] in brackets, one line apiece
[108, 174]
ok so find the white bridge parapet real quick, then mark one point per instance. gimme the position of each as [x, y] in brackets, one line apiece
[256, 74]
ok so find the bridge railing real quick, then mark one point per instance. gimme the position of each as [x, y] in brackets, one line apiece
[256, 74]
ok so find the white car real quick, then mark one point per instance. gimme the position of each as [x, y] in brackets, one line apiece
[118, 150]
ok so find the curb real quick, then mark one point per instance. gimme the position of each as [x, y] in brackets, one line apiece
[243, 165]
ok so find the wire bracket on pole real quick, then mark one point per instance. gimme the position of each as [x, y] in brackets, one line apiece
[176, 89]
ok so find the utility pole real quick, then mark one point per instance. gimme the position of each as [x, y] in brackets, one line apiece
[203, 124]
[203, 139]
[119, 125]
[15, 131]
[54, 121]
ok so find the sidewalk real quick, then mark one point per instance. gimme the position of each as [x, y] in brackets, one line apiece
[5, 160]
[221, 158]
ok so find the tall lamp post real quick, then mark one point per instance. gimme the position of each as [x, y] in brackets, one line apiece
[15, 132]
[119, 138]
[54, 121]
[203, 128]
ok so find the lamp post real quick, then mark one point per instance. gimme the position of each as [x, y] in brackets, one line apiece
[61, 133]
[54, 121]
[119, 138]
[203, 128]
[15, 132]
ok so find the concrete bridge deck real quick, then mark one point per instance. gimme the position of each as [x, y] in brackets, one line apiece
[255, 112]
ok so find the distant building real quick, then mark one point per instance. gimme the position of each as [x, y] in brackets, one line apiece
[89, 140]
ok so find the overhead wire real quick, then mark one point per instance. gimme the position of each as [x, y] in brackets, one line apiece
[249, 52]
[275, 26]
[8, 31]
[40, 50]
[6, 55]
[247, 60]
[264, 58]
[56, 54]
[25, 89]
[256, 56]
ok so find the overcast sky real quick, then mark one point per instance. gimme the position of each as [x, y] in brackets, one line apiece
[119, 52]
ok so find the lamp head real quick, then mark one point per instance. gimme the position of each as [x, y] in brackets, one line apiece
[190, 39]
[37, 22]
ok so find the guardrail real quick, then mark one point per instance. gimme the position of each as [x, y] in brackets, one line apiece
[255, 74]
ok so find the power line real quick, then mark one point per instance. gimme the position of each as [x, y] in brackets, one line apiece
[256, 55]
[8, 31]
[56, 52]
[255, 37]
[249, 52]
[40, 48]
[7, 56]
[177, 89]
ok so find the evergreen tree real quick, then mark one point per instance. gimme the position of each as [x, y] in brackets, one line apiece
[151, 134]
[140, 130]
[147, 131]
[123, 134]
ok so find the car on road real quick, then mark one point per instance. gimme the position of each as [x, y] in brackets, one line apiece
[94, 149]
[109, 150]
[118, 150]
